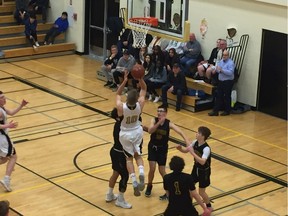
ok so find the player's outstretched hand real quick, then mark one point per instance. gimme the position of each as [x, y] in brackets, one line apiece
[12, 124]
[24, 103]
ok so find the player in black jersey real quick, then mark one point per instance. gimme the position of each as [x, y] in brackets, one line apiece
[158, 145]
[180, 189]
[201, 171]
[119, 166]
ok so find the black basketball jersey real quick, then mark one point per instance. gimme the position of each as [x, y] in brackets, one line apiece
[199, 151]
[161, 136]
[179, 185]
[117, 145]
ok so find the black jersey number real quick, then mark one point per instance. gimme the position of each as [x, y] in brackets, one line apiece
[131, 119]
[177, 188]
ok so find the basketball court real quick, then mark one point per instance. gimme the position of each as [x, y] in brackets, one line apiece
[65, 135]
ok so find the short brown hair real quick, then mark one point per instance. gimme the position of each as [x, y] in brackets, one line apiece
[132, 97]
[204, 131]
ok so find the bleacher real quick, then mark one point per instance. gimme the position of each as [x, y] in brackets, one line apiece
[13, 43]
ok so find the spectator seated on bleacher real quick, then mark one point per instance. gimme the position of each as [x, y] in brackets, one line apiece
[60, 25]
[110, 64]
[170, 59]
[40, 7]
[162, 42]
[158, 55]
[192, 52]
[156, 81]
[31, 30]
[210, 71]
[178, 46]
[21, 11]
[176, 84]
[125, 63]
[203, 66]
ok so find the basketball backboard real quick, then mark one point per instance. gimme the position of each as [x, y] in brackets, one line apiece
[172, 16]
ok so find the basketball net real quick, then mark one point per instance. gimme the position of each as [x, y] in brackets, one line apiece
[139, 31]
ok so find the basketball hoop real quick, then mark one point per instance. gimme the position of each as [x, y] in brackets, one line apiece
[140, 26]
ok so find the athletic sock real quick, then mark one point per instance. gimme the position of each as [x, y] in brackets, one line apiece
[120, 197]
[110, 190]
[141, 169]
[133, 177]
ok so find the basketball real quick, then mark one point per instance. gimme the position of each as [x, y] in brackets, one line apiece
[138, 71]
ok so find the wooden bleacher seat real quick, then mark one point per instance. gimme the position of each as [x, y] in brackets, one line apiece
[9, 19]
[8, 30]
[8, 2]
[7, 8]
[29, 51]
[193, 103]
[21, 40]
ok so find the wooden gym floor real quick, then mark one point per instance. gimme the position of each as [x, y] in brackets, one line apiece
[65, 135]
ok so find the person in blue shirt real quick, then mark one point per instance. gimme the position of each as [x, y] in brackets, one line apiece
[60, 26]
[31, 30]
[225, 68]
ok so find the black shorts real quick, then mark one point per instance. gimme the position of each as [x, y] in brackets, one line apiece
[176, 211]
[202, 176]
[118, 160]
[158, 154]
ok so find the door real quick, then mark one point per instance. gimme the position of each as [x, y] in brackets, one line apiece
[99, 38]
[272, 91]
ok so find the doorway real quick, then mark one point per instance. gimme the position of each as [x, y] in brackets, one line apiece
[99, 38]
[272, 90]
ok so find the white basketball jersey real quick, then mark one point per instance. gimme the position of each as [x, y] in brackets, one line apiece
[131, 117]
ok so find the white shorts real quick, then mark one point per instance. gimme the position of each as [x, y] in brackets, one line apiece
[3, 146]
[131, 140]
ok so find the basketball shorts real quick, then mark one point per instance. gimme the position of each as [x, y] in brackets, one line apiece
[131, 141]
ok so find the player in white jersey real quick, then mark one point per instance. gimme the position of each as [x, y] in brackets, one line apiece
[7, 150]
[131, 133]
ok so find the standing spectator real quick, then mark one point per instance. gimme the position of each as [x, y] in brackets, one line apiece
[180, 190]
[126, 42]
[7, 150]
[158, 79]
[176, 84]
[131, 133]
[40, 6]
[21, 10]
[192, 50]
[60, 25]
[110, 64]
[119, 166]
[225, 70]
[158, 145]
[201, 153]
[31, 30]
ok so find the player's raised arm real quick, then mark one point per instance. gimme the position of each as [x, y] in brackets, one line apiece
[119, 93]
